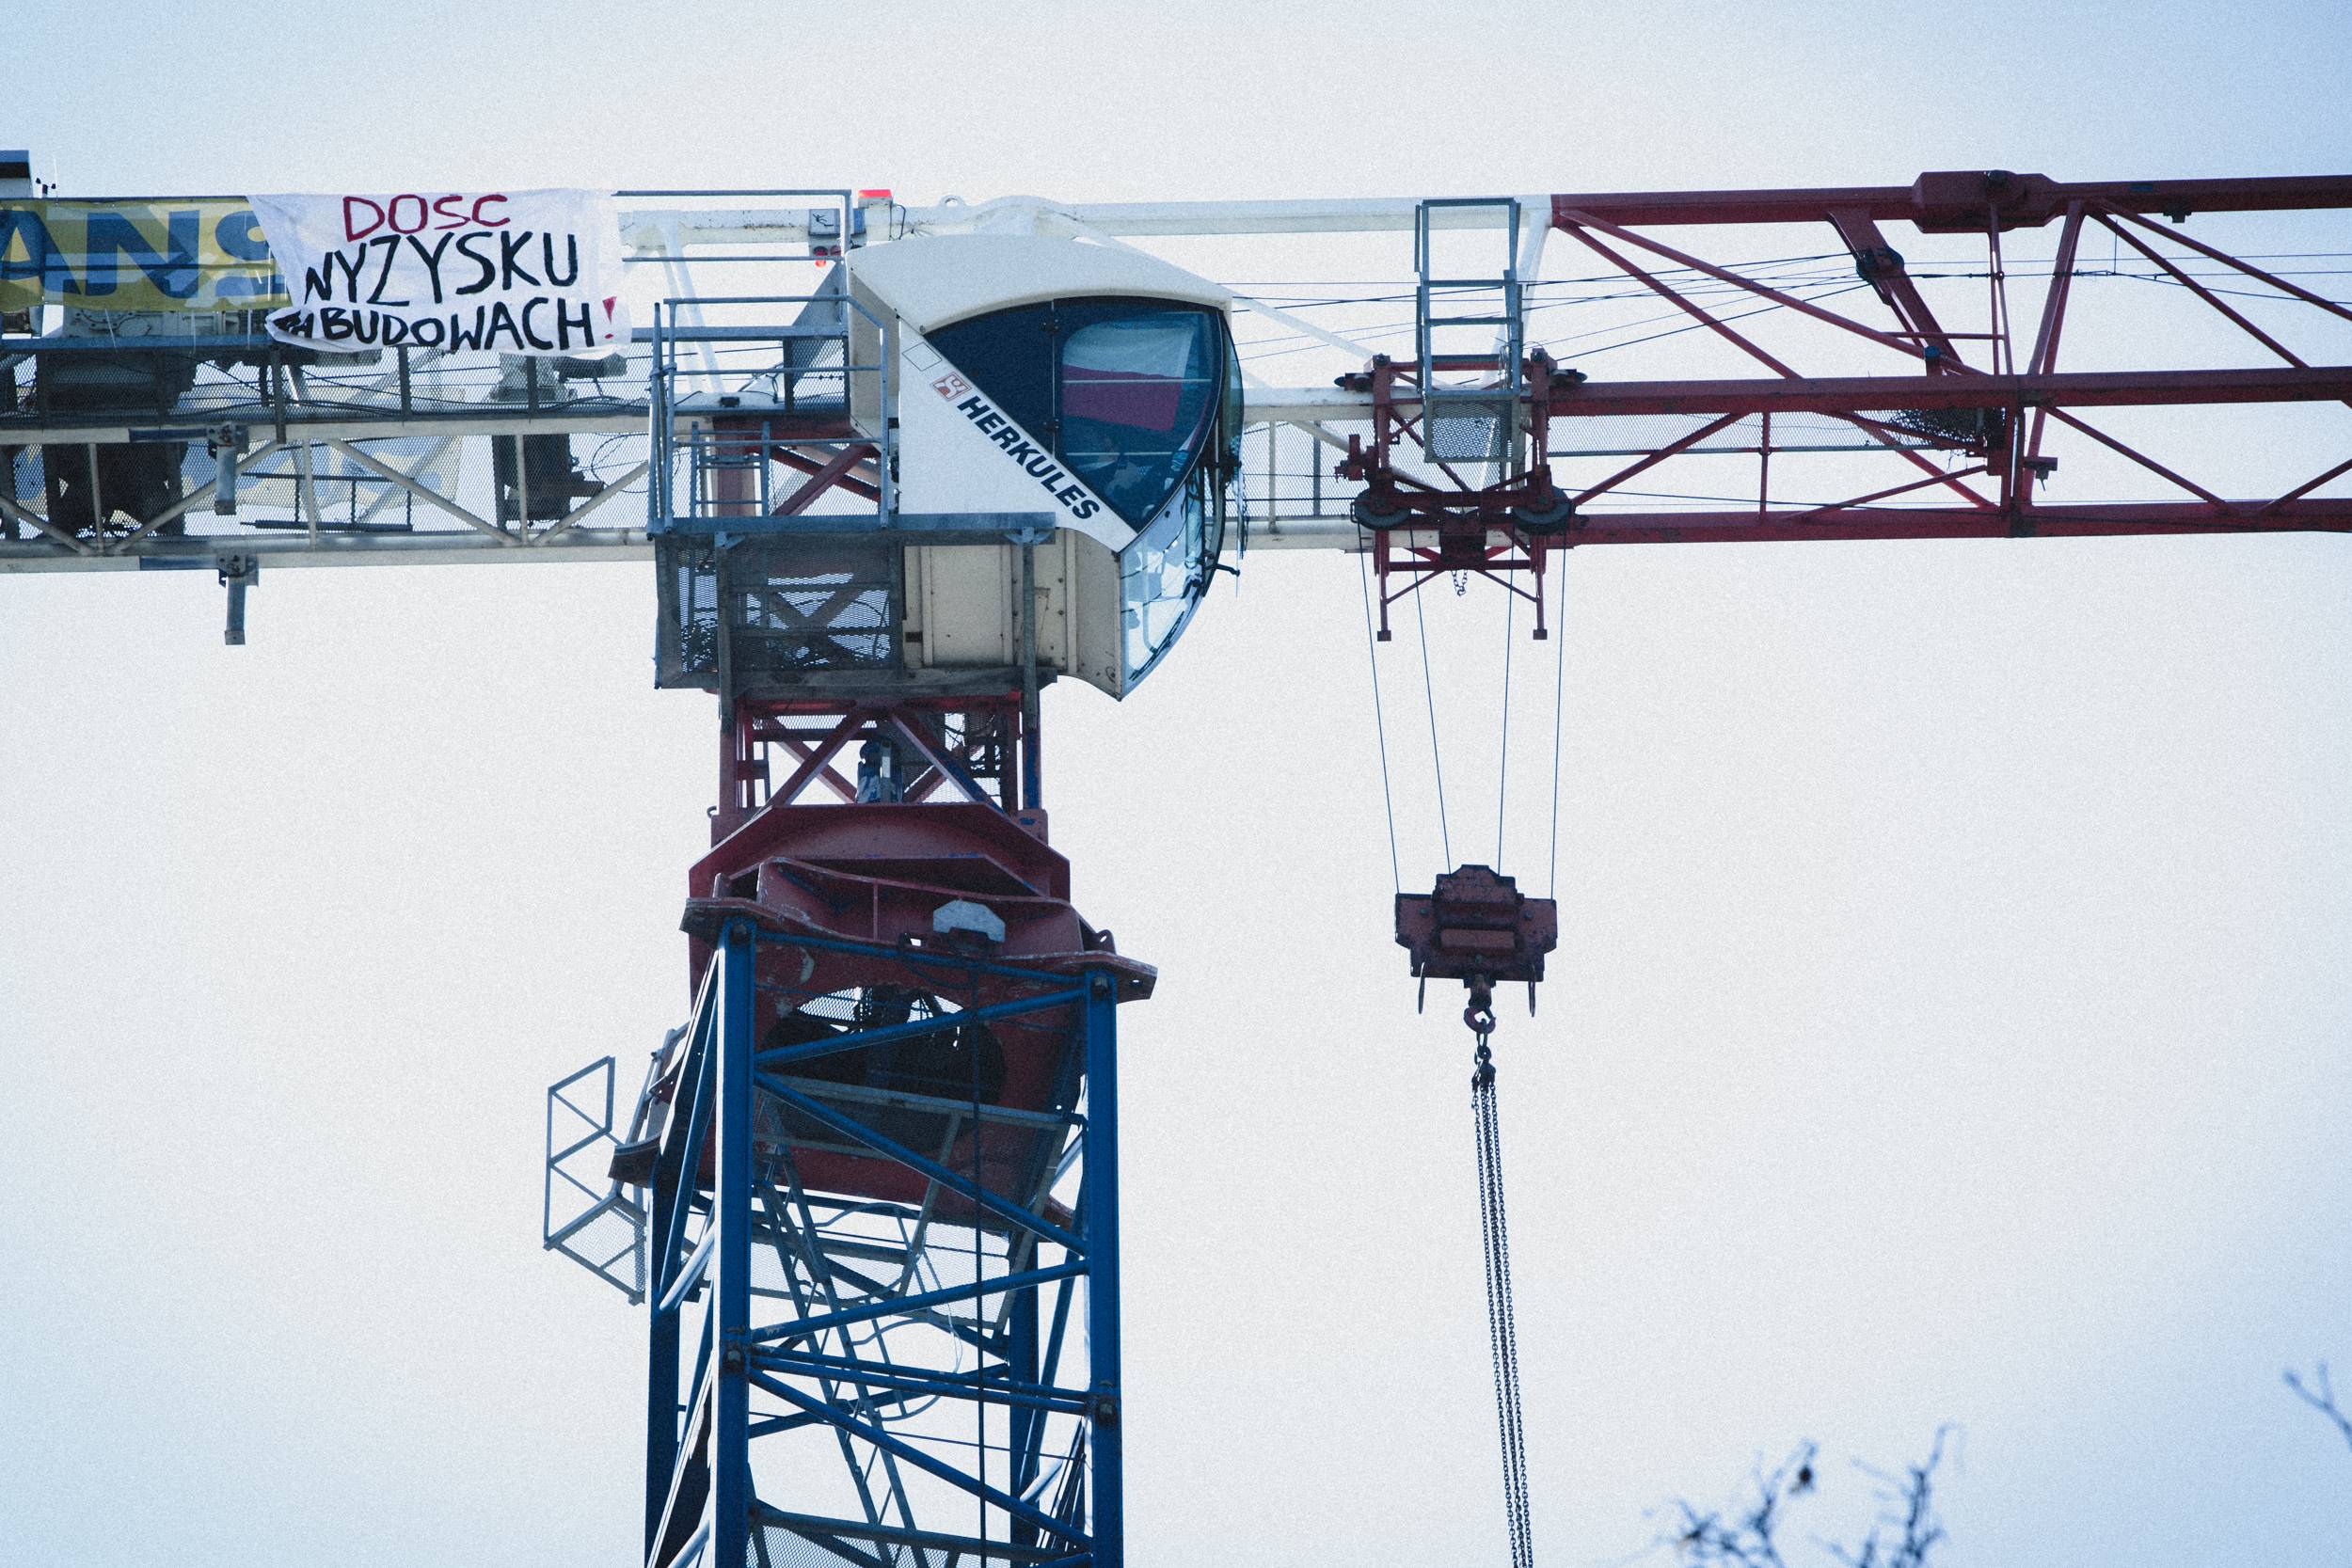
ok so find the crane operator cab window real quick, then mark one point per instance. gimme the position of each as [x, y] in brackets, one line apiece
[1138, 399]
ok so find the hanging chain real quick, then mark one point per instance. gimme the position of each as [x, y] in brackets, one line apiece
[1503, 1328]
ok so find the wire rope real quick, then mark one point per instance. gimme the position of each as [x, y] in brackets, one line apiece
[1503, 763]
[1259, 349]
[1501, 1321]
[1823, 283]
[1559, 708]
[1379, 723]
[1437, 756]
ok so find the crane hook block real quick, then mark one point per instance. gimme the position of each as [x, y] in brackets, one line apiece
[1476, 926]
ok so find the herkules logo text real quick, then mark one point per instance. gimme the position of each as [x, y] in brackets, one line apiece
[1040, 465]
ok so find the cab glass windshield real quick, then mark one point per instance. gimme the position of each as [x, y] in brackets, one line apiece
[1123, 390]
[1128, 393]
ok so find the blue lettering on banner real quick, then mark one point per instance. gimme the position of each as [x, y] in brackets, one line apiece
[134, 256]
[239, 235]
[170, 267]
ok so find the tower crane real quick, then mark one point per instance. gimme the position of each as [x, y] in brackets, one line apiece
[868, 1191]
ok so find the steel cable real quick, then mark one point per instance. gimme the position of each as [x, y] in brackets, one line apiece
[1501, 1323]
[1437, 754]
[1503, 763]
[1559, 708]
[1379, 723]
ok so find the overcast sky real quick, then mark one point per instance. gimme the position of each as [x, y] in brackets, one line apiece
[1951, 1020]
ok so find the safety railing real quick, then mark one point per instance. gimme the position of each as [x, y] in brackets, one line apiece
[754, 418]
[586, 1215]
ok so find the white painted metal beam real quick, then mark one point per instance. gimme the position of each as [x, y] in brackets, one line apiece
[196, 425]
[653, 231]
[1307, 404]
[465, 547]
[332, 549]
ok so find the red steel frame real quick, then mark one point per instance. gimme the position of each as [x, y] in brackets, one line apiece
[2015, 384]
[985, 760]
[1485, 529]
[991, 757]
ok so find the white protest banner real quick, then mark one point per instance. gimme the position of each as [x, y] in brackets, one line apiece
[520, 272]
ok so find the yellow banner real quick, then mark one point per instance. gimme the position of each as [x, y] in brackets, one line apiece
[136, 256]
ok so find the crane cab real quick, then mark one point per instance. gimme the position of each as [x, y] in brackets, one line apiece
[982, 389]
[1040, 375]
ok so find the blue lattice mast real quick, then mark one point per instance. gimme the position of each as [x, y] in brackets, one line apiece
[883, 1211]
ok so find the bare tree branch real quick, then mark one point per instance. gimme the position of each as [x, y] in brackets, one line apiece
[1907, 1532]
[1909, 1513]
[1745, 1538]
[2321, 1396]
[1749, 1534]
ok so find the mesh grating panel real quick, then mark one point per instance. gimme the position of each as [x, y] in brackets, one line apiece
[1469, 429]
[609, 1239]
[687, 651]
[610, 1245]
[786, 610]
[773, 1545]
[801, 607]
[1634, 435]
